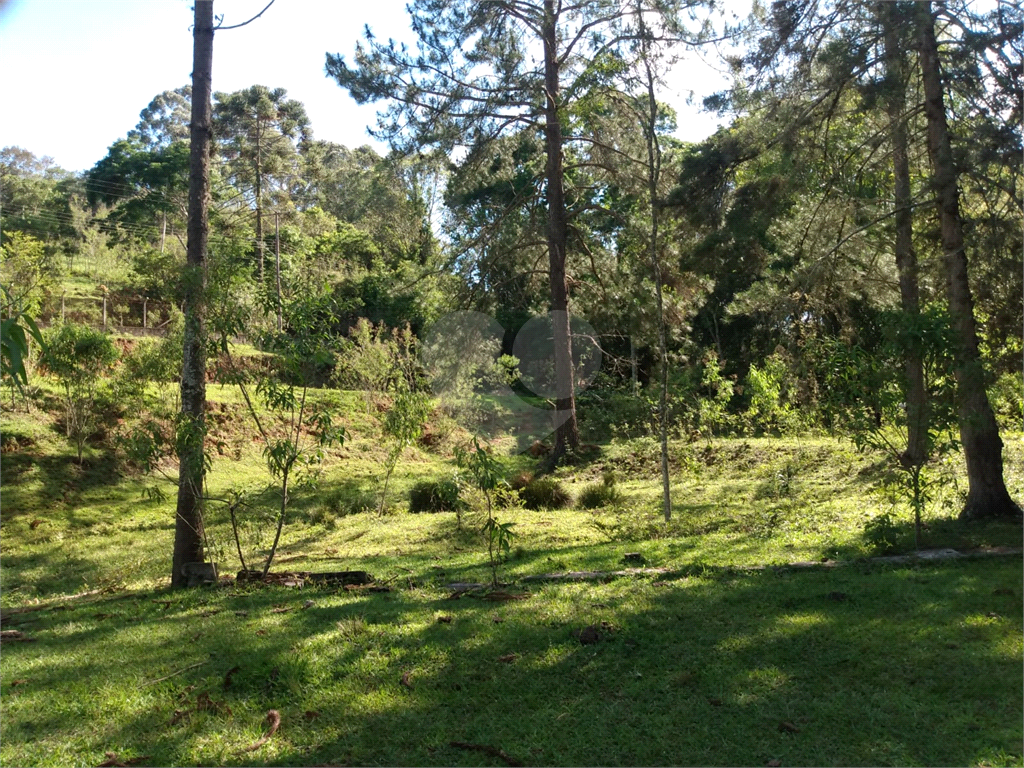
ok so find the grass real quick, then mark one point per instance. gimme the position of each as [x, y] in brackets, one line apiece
[871, 663]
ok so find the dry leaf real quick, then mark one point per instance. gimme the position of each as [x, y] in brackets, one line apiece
[405, 680]
[444, 619]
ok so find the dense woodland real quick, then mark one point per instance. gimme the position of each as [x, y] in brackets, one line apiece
[545, 437]
[843, 258]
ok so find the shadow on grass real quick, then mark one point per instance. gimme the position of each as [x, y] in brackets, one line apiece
[875, 665]
[63, 479]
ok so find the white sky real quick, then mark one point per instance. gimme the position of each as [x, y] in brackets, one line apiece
[76, 73]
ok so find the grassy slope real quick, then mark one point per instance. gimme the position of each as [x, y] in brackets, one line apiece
[915, 665]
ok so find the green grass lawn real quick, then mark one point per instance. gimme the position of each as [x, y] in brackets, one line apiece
[869, 663]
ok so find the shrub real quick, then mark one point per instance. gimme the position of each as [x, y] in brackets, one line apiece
[435, 496]
[545, 493]
[350, 499]
[597, 495]
[601, 494]
[79, 356]
[882, 533]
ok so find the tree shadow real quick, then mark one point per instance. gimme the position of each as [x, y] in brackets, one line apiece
[838, 667]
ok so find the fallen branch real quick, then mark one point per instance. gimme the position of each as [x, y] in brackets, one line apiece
[487, 749]
[173, 674]
[274, 720]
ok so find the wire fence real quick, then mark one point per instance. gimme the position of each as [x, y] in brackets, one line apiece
[133, 316]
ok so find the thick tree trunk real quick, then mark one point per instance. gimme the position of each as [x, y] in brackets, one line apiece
[188, 529]
[567, 434]
[987, 495]
[906, 260]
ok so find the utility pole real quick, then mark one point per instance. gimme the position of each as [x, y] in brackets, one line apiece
[277, 267]
[188, 525]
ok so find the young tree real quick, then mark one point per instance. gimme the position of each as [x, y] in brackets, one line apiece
[78, 356]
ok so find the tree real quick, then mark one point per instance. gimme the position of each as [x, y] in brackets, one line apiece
[482, 71]
[987, 495]
[191, 436]
[78, 356]
[165, 119]
[16, 328]
[258, 129]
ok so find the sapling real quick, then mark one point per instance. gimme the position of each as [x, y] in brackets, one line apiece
[303, 348]
[862, 396]
[78, 356]
[486, 473]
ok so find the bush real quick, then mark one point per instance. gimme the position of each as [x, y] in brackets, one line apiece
[882, 533]
[350, 499]
[597, 495]
[79, 357]
[434, 496]
[545, 493]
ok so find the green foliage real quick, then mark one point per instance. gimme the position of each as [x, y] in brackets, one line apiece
[435, 496]
[486, 472]
[402, 426]
[297, 456]
[769, 388]
[711, 413]
[79, 357]
[15, 331]
[1007, 397]
[545, 493]
[882, 533]
[597, 495]
[608, 410]
[30, 272]
[378, 360]
[867, 402]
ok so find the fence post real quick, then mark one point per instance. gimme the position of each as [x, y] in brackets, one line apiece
[144, 300]
[62, 307]
[104, 312]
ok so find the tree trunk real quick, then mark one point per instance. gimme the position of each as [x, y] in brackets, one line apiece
[567, 434]
[277, 269]
[906, 260]
[987, 495]
[259, 198]
[653, 178]
[188, 529]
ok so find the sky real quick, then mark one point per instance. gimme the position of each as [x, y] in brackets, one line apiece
[78, 72]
